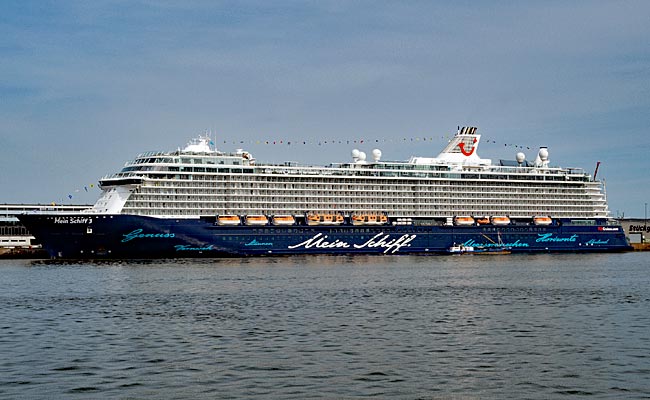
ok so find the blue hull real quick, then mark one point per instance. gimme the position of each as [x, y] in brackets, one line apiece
[135, 237]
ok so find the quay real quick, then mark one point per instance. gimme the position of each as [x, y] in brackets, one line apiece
[30, 252]
[641, 246]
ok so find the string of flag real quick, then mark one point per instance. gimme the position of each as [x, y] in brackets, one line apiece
[74, 193]
[322, 141]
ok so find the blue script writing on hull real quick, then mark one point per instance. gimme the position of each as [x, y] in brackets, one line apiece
[137, 234]
[542, 238]
[380, 240]
[185, 247]
[597, 241]
[254, 242]
[474, 243]
[549, 237]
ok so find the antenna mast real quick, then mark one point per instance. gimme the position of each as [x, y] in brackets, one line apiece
[596, 171]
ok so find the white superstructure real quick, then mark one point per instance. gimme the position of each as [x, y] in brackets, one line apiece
[201, 181]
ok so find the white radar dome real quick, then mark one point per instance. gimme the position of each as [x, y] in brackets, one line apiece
[543, 153]
[376, 154]
[355, 153]
[362, 156]
[520, 158]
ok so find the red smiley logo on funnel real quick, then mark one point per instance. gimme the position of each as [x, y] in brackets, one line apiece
[462, 148]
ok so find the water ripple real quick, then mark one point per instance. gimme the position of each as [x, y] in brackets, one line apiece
[537, 327]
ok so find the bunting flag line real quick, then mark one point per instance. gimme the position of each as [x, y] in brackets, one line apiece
[72, 194]
[325, 141]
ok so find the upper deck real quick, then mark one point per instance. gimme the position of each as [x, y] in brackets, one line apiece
[200, 180]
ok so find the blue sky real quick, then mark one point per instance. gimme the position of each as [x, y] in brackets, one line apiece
[85, 86]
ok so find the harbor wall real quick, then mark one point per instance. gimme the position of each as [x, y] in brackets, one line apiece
[636, 229]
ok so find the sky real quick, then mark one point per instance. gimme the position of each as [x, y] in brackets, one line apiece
[87, 85]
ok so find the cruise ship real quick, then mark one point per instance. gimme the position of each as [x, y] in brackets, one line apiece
[202, 202]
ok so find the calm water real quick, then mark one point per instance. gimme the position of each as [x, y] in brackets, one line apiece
[459, 327]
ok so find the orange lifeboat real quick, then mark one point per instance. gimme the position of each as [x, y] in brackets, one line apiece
[313, 219]
[464, 221]
[500, 221]
[256, 220]
[283, 220]
[324, 219]
[228, 220]
[542, 220]
[369, 219]
[482, 221]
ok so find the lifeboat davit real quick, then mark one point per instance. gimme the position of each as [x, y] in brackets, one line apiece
[256, 220]
[500, 220]
[464, 221]
[283, 220]
[228, 220]
[542, 220]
